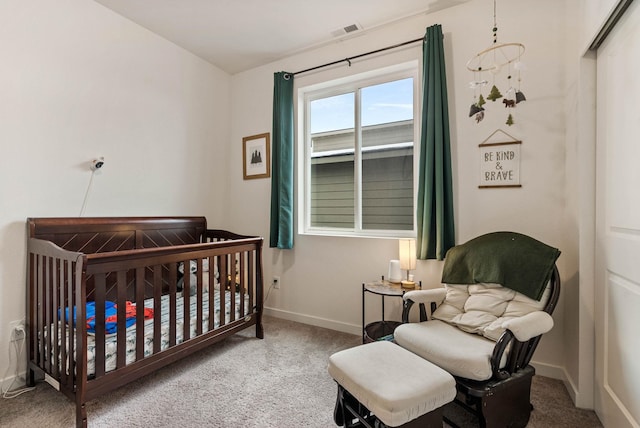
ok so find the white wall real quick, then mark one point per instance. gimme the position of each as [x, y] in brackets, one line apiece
[78, 81]
[321, 277]
[579, 351]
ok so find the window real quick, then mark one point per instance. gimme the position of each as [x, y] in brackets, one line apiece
[359, 157]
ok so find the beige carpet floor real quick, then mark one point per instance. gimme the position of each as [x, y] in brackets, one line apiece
[278, 382]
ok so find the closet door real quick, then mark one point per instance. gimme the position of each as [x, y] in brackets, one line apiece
[617, 317]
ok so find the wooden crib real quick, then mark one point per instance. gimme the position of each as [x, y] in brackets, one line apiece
[190, 286]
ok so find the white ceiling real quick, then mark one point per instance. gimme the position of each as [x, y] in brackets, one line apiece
[237, 35]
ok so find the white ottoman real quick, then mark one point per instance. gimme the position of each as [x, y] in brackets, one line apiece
[384, 382]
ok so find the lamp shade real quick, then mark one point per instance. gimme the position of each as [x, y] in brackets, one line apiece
[407, 250]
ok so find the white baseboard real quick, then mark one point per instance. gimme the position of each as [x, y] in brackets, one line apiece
[582, 398]
[571, 389]
[560, 373]
[549, 370]
[14, 382]
[317, 321]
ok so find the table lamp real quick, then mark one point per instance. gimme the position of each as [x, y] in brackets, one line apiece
[407, 251]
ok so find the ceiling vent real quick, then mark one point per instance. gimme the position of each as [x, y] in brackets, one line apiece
[346, 30]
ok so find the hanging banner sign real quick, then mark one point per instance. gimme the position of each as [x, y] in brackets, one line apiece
[500, 164]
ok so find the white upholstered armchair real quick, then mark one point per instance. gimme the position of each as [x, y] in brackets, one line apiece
[485, 324]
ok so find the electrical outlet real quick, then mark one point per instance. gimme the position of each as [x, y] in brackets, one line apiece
[18, 330]
[276, 282]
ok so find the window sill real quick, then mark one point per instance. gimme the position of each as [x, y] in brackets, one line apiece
[379, 234]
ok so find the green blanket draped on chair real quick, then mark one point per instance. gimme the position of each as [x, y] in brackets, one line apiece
[511, 259]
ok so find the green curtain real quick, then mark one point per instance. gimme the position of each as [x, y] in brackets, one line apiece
[281, 234]
[435, 195]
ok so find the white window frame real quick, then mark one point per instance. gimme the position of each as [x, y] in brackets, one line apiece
[337, 87]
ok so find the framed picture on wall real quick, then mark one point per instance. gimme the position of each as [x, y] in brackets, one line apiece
[256, 156]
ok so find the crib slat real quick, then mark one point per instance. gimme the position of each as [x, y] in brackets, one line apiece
[45, 311]
[213, 268]
[44, 339]
[186, 301]
[64, 274]
[39, 349]
[139, 292]
[232, 288]
[81, 368]
[48, 319]
[32, 336]
[57, 279]
[224, 281]
[251, 274]
[100, 298]
[157, 307]
[200, 286]
[39, 310]
[121, 304]
[243, 278]
[69, 325]
[52, 322]
[173, 279]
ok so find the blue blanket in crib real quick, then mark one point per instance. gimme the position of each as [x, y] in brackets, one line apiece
[111, 312]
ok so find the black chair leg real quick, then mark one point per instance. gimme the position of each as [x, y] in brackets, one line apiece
[338, 411]
[507, 407]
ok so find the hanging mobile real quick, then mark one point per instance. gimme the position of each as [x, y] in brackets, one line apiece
[495, 59]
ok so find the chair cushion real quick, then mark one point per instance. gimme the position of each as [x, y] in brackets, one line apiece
[448, 347]
[483, 308]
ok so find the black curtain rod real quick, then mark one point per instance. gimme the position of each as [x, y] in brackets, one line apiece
[348, 60]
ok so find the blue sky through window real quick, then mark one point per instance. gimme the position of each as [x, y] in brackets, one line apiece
[383, 103]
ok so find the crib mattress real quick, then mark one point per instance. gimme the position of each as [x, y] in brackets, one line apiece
[111, 343]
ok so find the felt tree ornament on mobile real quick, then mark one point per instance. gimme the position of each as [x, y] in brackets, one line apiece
[481, 101]
[509, 120]
[494, 94]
